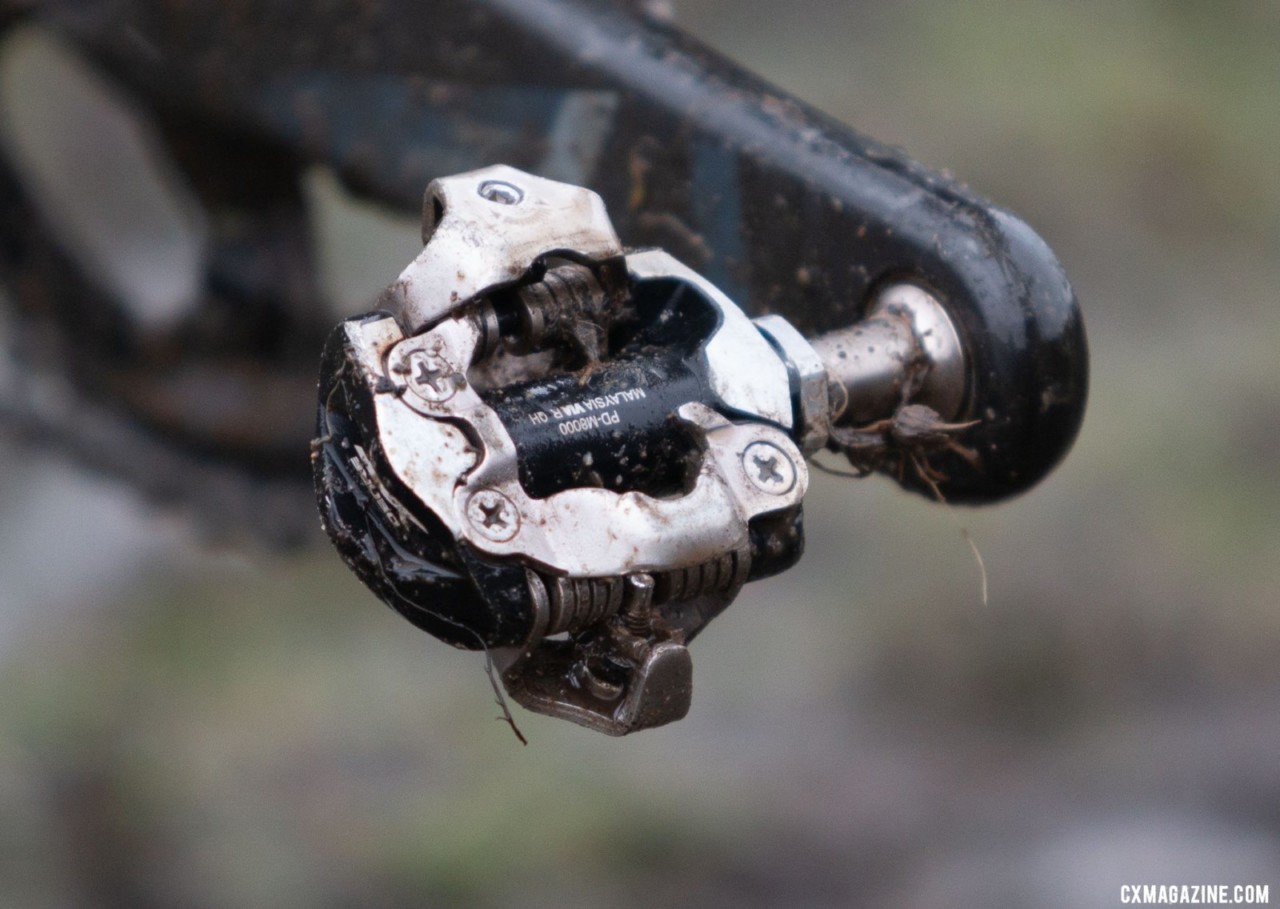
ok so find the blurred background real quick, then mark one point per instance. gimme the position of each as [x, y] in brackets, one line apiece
[190, 725]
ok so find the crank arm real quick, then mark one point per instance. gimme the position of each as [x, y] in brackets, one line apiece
[689, 152]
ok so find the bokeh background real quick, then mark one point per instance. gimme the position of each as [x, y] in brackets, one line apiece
[183, 725]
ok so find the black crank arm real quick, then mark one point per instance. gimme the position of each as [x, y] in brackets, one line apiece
[785, 209]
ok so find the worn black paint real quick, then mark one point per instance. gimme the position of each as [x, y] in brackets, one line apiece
[436, 582]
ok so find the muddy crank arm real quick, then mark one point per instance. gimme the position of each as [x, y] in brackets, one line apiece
[785, 210]
[549, 444]
[575, 454]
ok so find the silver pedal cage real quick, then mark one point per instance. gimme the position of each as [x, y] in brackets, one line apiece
[567, 454]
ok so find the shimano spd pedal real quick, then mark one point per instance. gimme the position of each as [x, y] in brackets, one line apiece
[574, 455]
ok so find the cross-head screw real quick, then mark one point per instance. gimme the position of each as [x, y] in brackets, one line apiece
[769, 468]
[431, 376]
[493, 515]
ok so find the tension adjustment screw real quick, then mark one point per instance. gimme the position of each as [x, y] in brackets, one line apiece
[493, 515]
[431, 376]
[769, 468]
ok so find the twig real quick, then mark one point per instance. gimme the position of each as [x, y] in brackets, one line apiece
[501, 698]
[964, 531]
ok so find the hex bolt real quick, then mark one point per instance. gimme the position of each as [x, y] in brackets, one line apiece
[430, 376]
[501, 192]
[769, 468]
[493, 515]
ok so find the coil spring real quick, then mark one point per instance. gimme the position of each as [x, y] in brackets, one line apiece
[565, 295]
[578, 602]
[719, 575]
